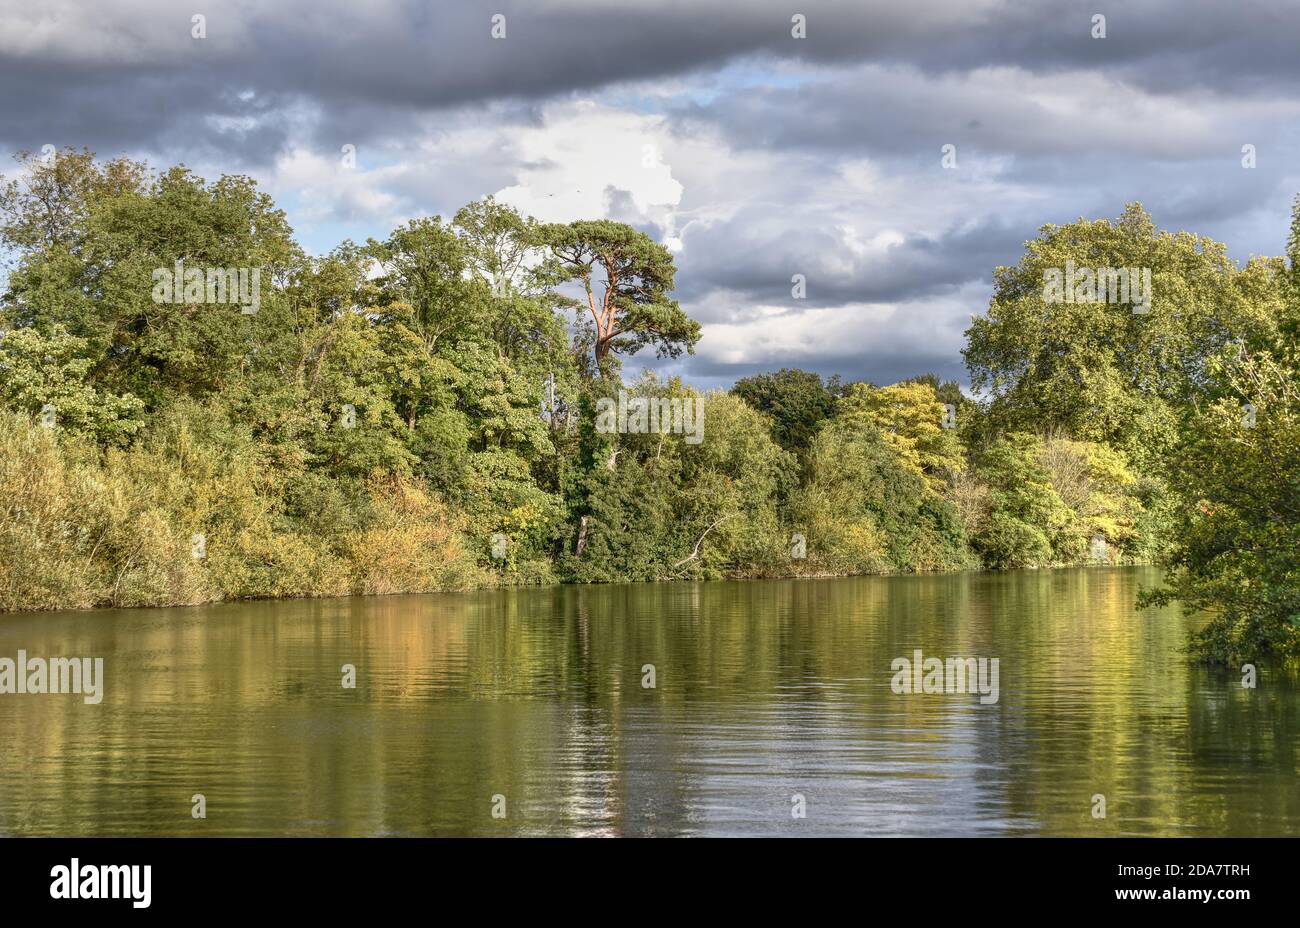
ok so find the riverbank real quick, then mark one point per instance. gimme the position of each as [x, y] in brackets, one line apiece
[180, 519]
[489, 580]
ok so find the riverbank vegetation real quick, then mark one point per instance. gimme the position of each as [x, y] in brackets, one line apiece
[418, 413]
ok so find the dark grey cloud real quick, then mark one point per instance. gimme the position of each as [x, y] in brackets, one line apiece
[1049, 123]
[909, 115]
[128, 74]
[136, 109]
[732, 256]
[871, 365]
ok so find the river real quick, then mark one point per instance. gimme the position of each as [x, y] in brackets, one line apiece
[772, 712]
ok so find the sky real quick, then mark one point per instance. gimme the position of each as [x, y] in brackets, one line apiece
[753, 154]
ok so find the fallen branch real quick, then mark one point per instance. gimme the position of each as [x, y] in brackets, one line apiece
[696, 553]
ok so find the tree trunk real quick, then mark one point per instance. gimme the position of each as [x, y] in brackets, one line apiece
[582, 538]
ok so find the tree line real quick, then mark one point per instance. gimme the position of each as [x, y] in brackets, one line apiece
[418, 413]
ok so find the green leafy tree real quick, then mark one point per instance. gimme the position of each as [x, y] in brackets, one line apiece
[1100, 371]
[865, 510]
[625, 278]
[39, 372]
[1237, 556]
[797, 402]
[425, 266]
[90, 238]
[1024, 511]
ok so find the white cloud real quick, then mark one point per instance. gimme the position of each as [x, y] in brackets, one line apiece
[582, 151]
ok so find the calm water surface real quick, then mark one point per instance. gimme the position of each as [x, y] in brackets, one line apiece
[764, 690]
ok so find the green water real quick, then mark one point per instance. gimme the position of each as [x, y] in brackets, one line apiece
[763, 690]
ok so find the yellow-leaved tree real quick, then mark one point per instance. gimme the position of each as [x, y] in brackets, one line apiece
[911, 419]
